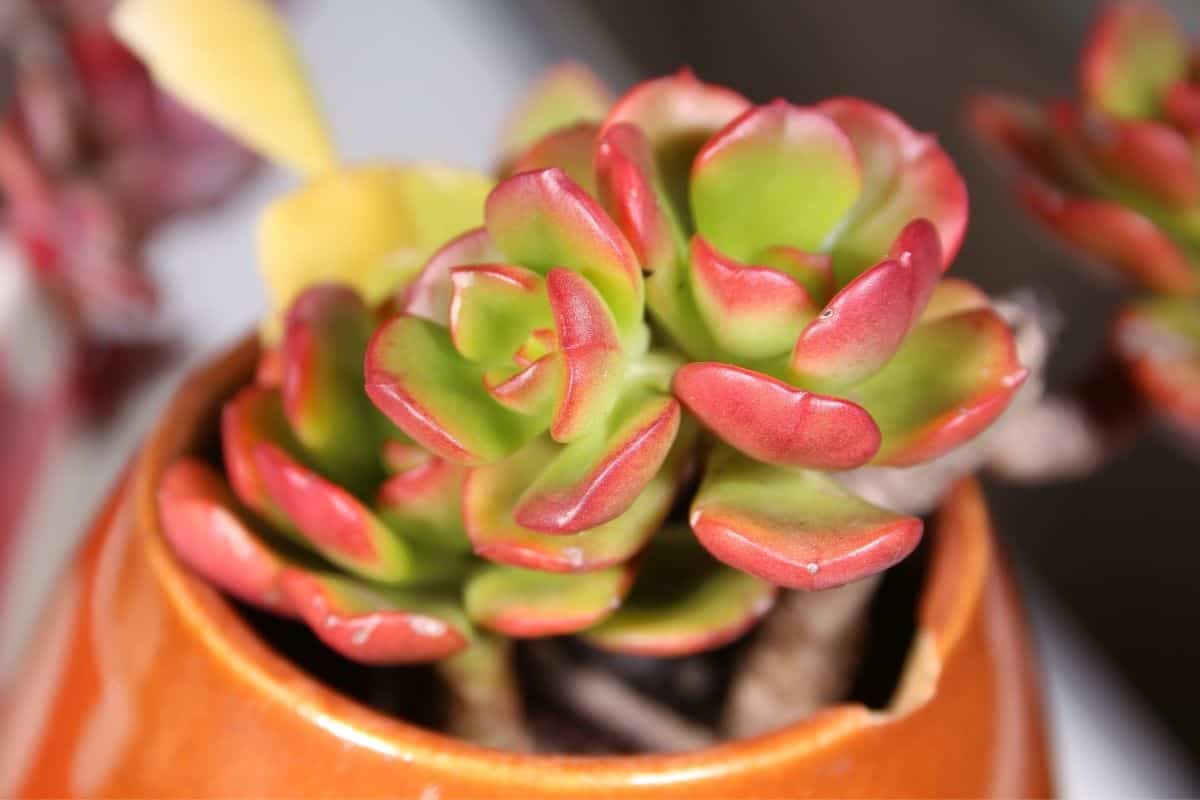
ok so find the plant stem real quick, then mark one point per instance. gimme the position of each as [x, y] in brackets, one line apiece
[485, 701]
[803, 659]
[606, 701]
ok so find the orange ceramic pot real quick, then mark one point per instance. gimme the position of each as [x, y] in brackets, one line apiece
[146, 683]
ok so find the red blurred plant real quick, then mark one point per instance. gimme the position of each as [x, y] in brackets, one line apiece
[92, 158]
[1116, 175]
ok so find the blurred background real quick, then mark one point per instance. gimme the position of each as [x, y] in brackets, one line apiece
[1109, 561]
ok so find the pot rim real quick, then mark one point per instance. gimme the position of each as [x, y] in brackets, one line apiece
[954, 587]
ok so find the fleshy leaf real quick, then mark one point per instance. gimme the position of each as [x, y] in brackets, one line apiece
[751, 311]
[683, 602]
[677, 114]
[232, 61]
[490, 494]
[570, 149]
[428, 296]
[906, 176]
[493, 310]
[813, 271]
[1133, 54]
[866, 322]
[566, 95]
[422, 503]
[595, 479]
[952, 378]
[254, 416]
[630, 188]
[777, 175]
[795, 528]
[1150, 157]
[1116, 235]
[542, 220]
[416, 377]
[531, 603]
[533, 389]
[593, 356]
[332, 520]
[370, 227]
[775, 422]
[377, 624]
[954, 295]
[200, 520]
[1181, 106]
[1159, 340]
[325, 336]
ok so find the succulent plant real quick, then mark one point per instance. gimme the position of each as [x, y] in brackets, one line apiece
[1116, 175]
[676, 300]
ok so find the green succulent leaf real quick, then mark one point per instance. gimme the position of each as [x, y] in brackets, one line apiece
[778, 175]
[951, 379]
[531, 603]
[906, 175]
[542, 220]
[416, 377]
[570, 149]
[593, 355]
[255, 416]
[752, 312]
[1135, 52]
[867, 321]
[430, 293]
[325, 336]
[341, 527]
[491, 494]
[422, 501]
[795, 528]
[378, 624]
[595, 479]
[676, 115]
[683, 602]
[493, 310]
[813, 271]
[566, 95]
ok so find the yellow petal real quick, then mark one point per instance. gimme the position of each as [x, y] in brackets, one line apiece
[371, 227]
[233, 62]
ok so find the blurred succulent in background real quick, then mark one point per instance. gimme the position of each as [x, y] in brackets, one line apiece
[1116, 175]
[679, 299]
[92, 157]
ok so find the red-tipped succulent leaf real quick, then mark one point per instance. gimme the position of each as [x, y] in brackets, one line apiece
[374, 624]
[200, 519]
[683, 602]
[795, 528]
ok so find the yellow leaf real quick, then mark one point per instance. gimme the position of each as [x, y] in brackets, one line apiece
[371, 227]
[233, 62]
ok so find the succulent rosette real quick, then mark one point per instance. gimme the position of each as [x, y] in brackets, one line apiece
[488, 408]
[1116, 175]
[793, 257]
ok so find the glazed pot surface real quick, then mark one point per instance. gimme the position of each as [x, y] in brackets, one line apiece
[146, 682]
